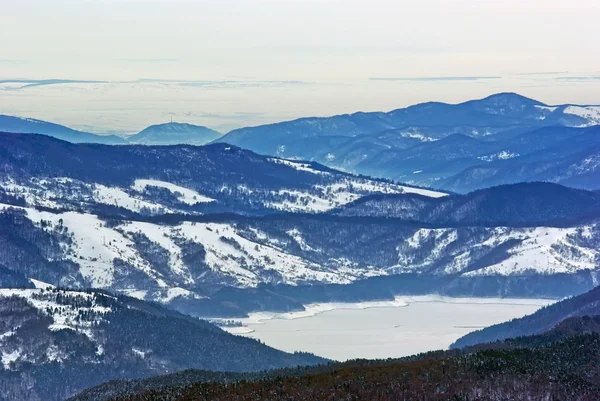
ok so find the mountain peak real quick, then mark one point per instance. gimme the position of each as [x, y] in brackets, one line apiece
[175, 126]
[502, 98]
[174, 133]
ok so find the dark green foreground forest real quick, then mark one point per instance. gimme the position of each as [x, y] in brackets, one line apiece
[562, 364]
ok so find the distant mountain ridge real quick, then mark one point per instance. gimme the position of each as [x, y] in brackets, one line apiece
[501, 139]
[174, 133]
[31, 126]
[424, 144]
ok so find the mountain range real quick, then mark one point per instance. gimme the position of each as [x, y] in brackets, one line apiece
[43, 171]
[502, 200]
[172, 133]
[502, 139]
[431, 143]
[226, 220]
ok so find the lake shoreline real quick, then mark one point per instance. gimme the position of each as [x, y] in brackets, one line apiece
[315, 309]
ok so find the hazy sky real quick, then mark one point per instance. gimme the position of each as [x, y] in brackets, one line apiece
[326, 43]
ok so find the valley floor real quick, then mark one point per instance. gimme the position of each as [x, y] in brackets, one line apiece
[387, 329]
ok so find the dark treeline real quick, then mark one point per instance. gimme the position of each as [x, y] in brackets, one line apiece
[558, 365]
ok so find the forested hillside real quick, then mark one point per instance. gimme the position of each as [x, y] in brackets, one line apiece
[539, 322]
[55, 343]
[536, 368]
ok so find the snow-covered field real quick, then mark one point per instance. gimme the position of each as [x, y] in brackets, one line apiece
[405, 326]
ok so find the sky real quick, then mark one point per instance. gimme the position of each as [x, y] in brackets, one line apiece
[228, 63]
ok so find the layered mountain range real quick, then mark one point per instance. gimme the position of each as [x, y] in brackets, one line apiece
[221, 231]
[184, 225]
[502, 139]
[172, 133]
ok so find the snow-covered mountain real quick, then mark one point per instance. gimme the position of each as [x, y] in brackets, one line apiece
[55, 343]
[422, 144]
[150, 222]
[41, 171]
[174, 134]
[186, 261]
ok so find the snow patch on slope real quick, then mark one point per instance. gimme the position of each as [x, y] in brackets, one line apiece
[96, 246]
[118, 197]
[64, 317]
[590, 113]
[185, 195]
[298, 166]
[543, 250]
[503, 155]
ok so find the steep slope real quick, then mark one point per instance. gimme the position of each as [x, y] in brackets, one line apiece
[543, 320]
[42, 171]
[31, 126]
[174, 134]
[55, 343]
[379, 143]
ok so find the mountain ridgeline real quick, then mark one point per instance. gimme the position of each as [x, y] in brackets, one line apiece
[168, 179]
[504, 138]
[33, 126]
[526, 204]
[172, 133]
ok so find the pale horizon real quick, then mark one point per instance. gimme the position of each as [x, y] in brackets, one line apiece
[236, 63]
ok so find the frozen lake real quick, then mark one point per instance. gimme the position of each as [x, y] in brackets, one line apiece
[399, 328]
